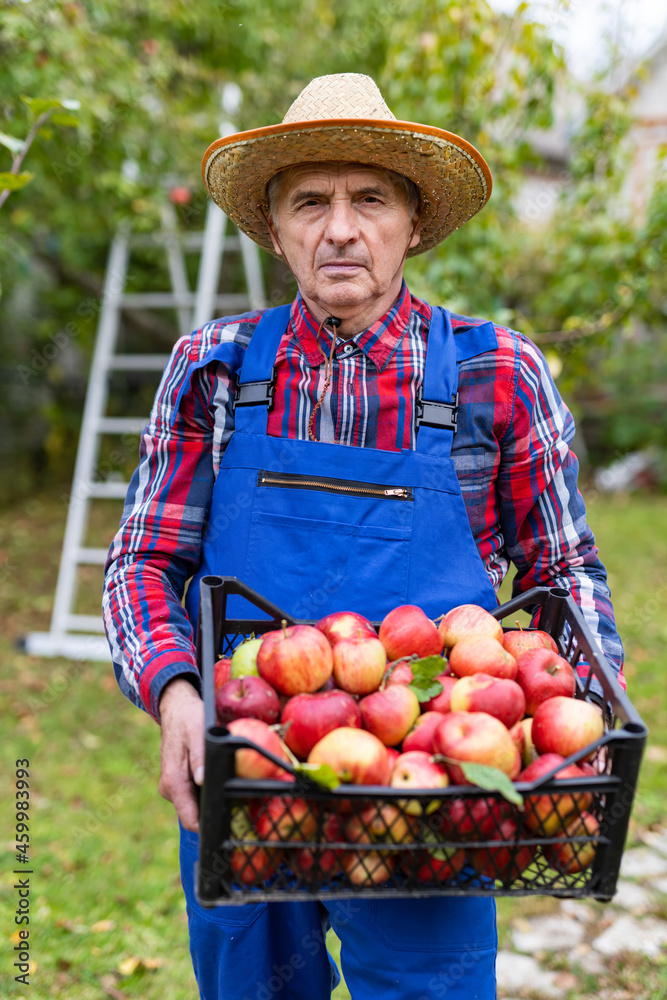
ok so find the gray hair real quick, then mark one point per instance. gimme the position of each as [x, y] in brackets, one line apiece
[406, 187]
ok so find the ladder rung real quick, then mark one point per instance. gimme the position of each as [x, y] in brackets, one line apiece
[170, 300]
[107, 491]
[92, 557]
[84, 623]
[188, 241]
[139, 362]
[121, 425]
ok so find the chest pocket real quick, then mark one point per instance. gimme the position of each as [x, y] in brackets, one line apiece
[310, 536]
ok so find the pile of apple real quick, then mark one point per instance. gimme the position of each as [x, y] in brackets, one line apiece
[409, 708]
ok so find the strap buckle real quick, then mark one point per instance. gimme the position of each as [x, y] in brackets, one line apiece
[431, 414]
[256, 393]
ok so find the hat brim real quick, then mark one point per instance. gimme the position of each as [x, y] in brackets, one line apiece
[453, 178]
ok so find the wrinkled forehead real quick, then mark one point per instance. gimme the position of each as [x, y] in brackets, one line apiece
[328, 176]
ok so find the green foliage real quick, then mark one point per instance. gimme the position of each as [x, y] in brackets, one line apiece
[132, 97]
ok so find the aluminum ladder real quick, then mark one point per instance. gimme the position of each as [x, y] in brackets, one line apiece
[78, 636]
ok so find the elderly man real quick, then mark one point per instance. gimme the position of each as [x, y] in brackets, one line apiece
[354, 487]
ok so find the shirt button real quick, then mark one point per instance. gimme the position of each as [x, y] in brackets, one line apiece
[348, 348]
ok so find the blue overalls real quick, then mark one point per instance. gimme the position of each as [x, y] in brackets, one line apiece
[317, 528]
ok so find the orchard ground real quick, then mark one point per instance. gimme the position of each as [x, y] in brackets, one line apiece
[107, 914]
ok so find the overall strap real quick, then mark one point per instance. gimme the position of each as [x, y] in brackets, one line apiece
[437, 400]
[257, 376]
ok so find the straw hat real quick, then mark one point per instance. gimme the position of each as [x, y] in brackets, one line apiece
[343, 117]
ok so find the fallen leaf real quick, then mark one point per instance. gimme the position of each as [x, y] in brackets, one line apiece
[128, 965]
[103, 925]
[152, 963]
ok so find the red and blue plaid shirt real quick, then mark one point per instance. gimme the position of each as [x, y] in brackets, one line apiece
[511, 452]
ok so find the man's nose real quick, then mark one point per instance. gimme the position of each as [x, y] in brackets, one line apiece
[342, 225]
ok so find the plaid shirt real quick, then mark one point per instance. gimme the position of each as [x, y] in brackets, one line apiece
[511, 452]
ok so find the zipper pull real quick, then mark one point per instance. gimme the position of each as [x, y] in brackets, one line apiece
[396, 493]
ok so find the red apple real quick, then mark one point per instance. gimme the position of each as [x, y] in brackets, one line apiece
[407, 630]
[476, 737]
[468, 620]
[179, 195]
[481, 654]
[221, 672]
[438, 865]
[389, 824]
[345, 625]
[421, 735]
[251, 763]
[571, 857]
[566, 725]
[247, 698]
[548, 813]
[295, 659]
[312, 716]
[390, 714]
[499, 697]
[441, 702]
[325, 860]
[392, 755]
[359, 664]
[417, 769]
[544, 674]
[286, 818]
[505, 862]
[367, 868]
[254, 864]
[476, 819]
[521, 734]
[356, 756]
[517, 641]
[399, 673]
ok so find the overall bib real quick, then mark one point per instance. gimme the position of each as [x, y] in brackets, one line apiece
[318, 527]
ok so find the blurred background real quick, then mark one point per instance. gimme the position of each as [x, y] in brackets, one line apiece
[105, 111]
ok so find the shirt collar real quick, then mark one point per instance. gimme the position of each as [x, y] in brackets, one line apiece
[378, 342]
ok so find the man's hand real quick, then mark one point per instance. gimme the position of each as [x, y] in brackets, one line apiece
[182, 749]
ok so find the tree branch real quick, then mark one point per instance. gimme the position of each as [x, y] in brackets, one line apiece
[20, 157]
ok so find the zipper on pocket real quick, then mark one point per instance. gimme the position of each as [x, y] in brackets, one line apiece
[289, 480]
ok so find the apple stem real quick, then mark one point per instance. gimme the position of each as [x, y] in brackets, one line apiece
[284, 625]
[519, 625]
[438, 619]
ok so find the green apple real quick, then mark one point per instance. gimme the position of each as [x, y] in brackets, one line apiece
[244, 659]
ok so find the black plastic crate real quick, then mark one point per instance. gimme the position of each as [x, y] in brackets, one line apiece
[274, 840]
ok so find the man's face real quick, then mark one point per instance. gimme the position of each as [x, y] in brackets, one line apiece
[344, 230]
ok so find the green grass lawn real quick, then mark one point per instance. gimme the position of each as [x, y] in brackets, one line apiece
[107, 915]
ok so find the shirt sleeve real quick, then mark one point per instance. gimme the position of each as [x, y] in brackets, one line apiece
[542, 510]
[157, 547]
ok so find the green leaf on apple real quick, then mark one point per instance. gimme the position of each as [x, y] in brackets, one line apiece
[492, 779]
[321, 774]
[424, 671]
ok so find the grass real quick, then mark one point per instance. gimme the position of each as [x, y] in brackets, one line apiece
[107, 915]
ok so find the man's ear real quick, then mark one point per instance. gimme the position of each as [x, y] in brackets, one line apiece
[416, 234]
[273, 233]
